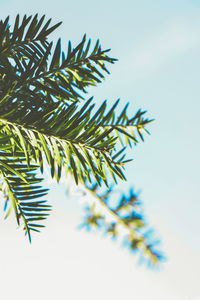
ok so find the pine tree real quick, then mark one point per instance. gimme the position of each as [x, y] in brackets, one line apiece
[45, 119]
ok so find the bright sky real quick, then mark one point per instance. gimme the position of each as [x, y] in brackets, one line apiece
[158, 45]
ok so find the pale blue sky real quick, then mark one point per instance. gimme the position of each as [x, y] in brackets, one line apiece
[158, 46]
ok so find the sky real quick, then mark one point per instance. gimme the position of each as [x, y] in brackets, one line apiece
[158, 46]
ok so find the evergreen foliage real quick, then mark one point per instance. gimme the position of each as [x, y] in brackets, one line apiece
[44, 116]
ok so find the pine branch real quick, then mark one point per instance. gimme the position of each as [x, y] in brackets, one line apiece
[76, 139]
[27, 38]
[22, 192]
[127, 215]
[64, 76]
